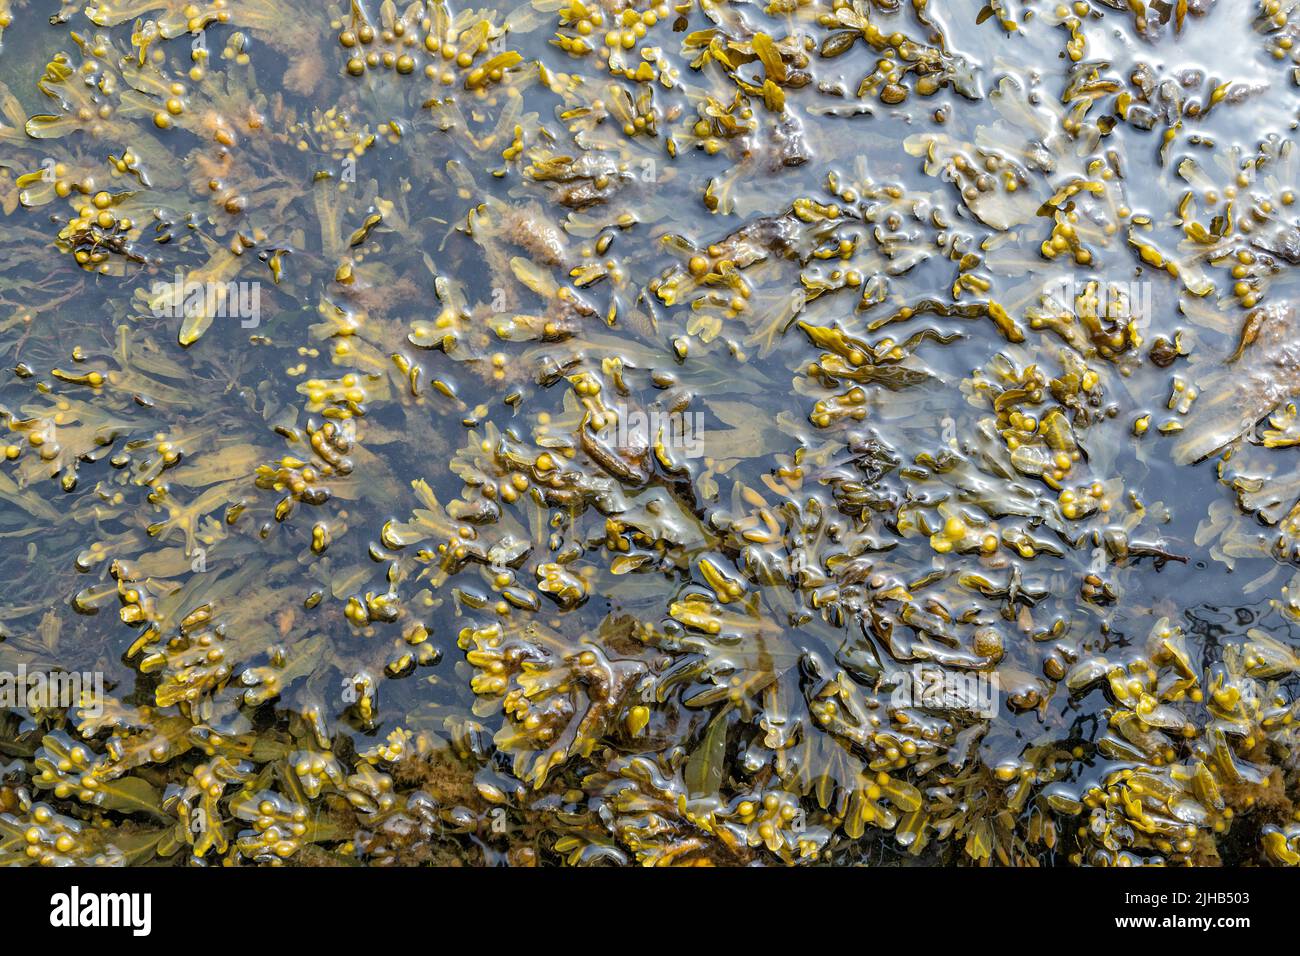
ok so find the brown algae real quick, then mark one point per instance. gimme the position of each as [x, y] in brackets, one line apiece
[620, 432]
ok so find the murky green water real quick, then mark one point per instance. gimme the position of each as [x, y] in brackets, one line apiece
[849, 433]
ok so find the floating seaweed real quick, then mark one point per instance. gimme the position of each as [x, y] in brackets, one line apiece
[599, 432]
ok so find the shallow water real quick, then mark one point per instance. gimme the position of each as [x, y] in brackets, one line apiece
[365, 568]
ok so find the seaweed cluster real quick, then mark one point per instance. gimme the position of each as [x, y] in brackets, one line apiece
[627, 432]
